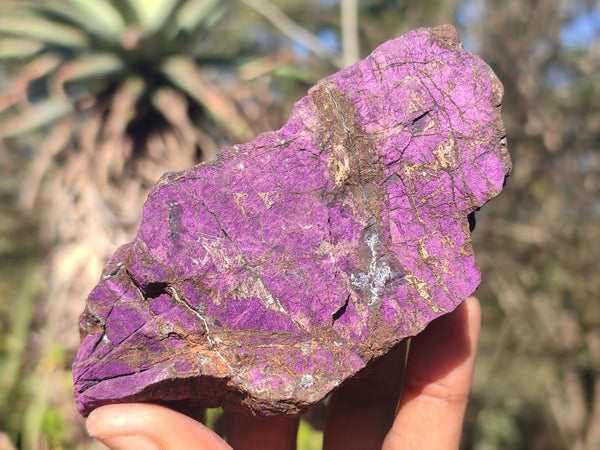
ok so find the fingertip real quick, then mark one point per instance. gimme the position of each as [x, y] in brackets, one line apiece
[118, 427]
[153, 424]
[473, 307]
[107, 419]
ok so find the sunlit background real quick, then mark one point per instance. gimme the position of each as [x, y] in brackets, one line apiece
[99, 98]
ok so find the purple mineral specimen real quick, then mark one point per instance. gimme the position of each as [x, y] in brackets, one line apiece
[264, 278]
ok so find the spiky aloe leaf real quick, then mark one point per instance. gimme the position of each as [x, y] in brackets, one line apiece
[88, 66]
[90, 18]
[152, 14]
[200, 14]
[34, 118]
[127, 11]
[35, 27]
[167, 16]
[184, 74]
[101, 13]
[19, 48]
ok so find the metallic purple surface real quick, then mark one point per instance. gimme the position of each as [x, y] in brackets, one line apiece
[265, 277]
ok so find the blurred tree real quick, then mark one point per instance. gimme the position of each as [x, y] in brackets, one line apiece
[539, 244]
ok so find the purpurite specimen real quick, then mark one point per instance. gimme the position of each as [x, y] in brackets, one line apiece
[262, 279]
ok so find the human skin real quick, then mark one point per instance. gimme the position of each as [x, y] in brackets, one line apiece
[363, 413]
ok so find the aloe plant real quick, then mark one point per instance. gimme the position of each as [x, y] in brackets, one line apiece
[134, 59]
[104, 96]
[107, 95]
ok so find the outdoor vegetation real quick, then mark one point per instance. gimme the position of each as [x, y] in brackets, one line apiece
[99, 98]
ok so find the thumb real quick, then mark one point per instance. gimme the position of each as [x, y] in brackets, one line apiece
[145, 426]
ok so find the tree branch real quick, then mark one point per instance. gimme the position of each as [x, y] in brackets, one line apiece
[291, 29]
[349, 25]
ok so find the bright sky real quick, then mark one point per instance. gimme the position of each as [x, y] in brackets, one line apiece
[583, 30]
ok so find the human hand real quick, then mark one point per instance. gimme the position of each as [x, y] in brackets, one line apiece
[363, 413]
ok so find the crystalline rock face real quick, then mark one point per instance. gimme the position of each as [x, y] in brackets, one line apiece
[262, 279]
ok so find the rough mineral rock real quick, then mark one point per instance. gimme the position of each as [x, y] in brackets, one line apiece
[265, 277]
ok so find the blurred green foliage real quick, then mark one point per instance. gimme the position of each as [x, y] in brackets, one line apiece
[100, 98]
[308, 437]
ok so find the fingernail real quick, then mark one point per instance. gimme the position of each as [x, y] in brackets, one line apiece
[129, 443]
